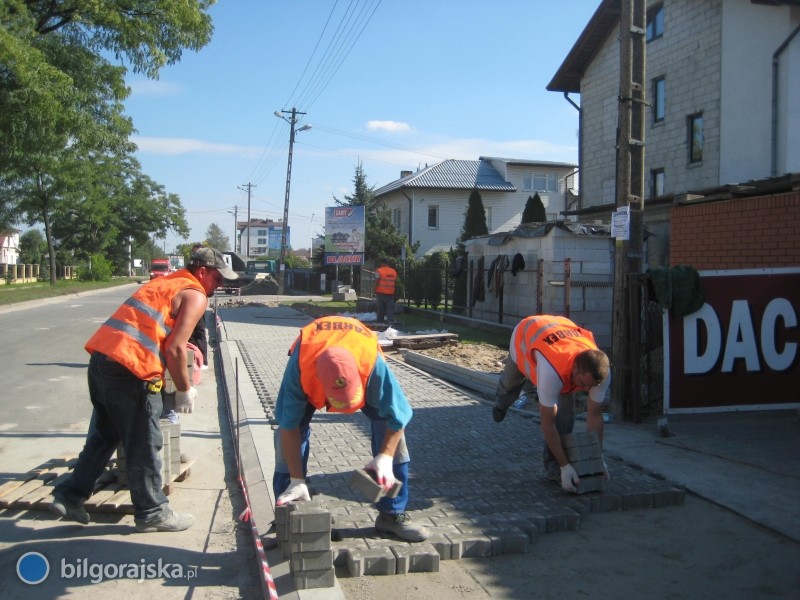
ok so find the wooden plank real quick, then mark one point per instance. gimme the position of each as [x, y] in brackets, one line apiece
[46, 491]
[26, 488]
[100, 497]
[119, 502]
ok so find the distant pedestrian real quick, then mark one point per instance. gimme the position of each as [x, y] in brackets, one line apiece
[337, 364]
[385, 287]
[559, 358]
[130, 354]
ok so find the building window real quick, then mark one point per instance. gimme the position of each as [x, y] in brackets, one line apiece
[433, 217]
[262, 241]
[659, 99]
[536, 181]
[656, 183]
[695, 132]
[655, 22]
[261, 232]
[396, 215]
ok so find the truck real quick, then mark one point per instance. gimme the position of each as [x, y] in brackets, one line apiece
[159, 267]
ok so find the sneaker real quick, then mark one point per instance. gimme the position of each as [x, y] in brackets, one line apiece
[204, 368]
[64, 507]
[401, 526]
[174, 522]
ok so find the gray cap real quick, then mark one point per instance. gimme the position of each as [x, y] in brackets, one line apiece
[210, 257]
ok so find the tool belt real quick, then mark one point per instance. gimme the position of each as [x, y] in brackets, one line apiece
[155, 386]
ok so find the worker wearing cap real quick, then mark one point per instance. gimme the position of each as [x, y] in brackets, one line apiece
[336, 364]
[130, 355]
[559, 358]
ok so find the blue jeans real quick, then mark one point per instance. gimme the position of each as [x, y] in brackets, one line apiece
[281, 479]
[123, 412]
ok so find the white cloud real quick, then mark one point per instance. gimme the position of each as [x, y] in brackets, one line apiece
[154, 89]
[390, 126]
[157, 145]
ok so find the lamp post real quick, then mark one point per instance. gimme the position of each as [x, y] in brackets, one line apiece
[235, 213]
[292, 122]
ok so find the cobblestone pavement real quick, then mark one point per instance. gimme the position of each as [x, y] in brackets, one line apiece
[479, 486]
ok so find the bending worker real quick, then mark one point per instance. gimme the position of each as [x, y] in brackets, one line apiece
[385, 284]
[337, 364]
[130, 354]
[559, 358]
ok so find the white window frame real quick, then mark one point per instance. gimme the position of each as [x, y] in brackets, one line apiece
[659, 100]
[397, 216]
[540, 181]
[433, 209]
[655, 23]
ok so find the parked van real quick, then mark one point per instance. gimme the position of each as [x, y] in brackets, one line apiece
[159, 267]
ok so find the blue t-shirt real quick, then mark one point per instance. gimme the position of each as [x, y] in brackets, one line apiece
[383, 393]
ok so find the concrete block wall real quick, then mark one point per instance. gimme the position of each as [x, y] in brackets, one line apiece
[741, 233]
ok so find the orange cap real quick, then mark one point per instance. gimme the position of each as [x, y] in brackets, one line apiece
[338, 373]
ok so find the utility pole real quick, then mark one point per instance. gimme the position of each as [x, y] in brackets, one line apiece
[285, 226]
[628, 254]
[249, 187]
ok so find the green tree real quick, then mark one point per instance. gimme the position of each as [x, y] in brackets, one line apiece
[474, 218]
[534, 210]
[474, 226]
[62, 100]
[32, 247]
[217, 239]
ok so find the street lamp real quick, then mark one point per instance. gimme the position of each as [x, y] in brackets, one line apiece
[292, 122]
[235, 213]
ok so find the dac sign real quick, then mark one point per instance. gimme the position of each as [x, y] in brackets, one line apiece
[741, 350]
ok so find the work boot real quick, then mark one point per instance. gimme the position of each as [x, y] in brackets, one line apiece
[401, 526]
[173, 522]
[69, 509]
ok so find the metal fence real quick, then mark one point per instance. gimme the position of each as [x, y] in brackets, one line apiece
[492, 292]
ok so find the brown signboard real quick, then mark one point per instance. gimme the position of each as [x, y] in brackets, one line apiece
[741, 350]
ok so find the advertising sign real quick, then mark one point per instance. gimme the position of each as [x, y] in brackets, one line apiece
[741, 350]
[274, 237]
[344, 235]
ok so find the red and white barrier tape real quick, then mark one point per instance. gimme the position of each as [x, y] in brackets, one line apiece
[247, 516]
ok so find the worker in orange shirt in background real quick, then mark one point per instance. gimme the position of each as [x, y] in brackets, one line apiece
[385, 285]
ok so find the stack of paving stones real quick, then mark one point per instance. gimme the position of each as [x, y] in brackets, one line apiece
[585, 453]
[303, 532]
[170, 455]
[478, 486]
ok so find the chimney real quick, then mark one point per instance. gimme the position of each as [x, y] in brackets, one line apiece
[404, 174]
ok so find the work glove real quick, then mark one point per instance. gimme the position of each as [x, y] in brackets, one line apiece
[384, 473]
[499, 414]
[297, 491]
[184, 401]
[569, 478]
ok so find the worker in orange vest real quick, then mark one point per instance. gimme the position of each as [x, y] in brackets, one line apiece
[385, 284]
[336, 364]
[559, 358]
[130, 355]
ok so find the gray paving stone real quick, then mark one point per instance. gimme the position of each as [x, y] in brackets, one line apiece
[465, 469]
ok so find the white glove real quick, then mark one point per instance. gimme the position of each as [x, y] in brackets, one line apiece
[297, 490]
[184, 401]
[382, 466]
[569, 478]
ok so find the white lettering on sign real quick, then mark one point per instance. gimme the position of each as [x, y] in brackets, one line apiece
[741, 341]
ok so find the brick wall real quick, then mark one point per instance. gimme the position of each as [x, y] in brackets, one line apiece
[760, 232]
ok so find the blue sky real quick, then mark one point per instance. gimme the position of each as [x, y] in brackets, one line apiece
[394, 85]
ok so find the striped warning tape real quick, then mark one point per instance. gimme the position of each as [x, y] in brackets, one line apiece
[247, 516]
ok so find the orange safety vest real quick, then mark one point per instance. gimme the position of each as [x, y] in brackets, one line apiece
[334, 331]
[557, 338]
[134, 335]
[387, 277]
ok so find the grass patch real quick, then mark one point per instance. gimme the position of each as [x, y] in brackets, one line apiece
[410, 323]
[24, 292]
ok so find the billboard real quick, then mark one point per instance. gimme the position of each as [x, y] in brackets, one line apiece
[344, 235]
[274, 237]
[741, 349]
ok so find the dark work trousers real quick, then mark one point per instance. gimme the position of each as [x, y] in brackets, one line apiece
[198, 338]
[510, 384]
[124, 412]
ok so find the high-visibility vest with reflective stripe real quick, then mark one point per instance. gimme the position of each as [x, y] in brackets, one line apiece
[386, 282]
[134, 335]
[557, 338]
[334, 331]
